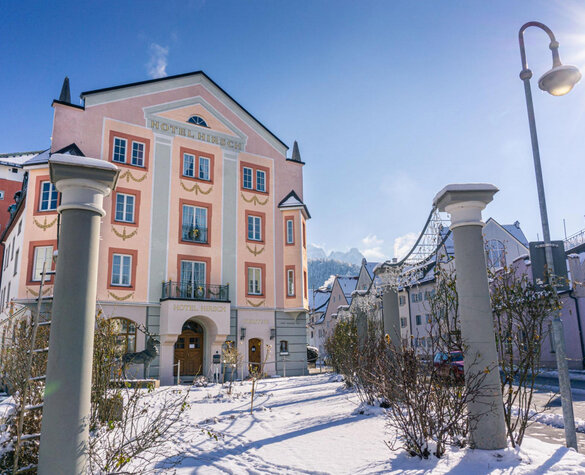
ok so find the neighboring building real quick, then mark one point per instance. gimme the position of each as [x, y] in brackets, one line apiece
[503, 244]
[204, 240]
[318, 301]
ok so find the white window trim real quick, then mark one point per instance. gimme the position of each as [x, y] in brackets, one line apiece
[264, 181]
[124, 220]
[51, 189]
[121, 268]
[34, 263]
[290, 233]
[251, 187]
[125, 150]
[256, 226]
[253, 279]
[290, 282]
[185, 154]
[208, 168]
[143, 153]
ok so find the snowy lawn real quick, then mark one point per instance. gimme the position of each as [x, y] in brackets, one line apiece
[312, 424]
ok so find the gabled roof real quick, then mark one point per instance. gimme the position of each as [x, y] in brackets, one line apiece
[370, 268]
[177, 76]
[348, 285]
[318, 300]
[513, 230]
[292, 200]
[39, 159]
[71, 149]
[17, 158]
[43, 157]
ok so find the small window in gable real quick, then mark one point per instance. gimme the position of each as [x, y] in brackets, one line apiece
[197, 120]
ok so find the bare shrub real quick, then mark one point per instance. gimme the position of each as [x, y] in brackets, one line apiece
[521, 311]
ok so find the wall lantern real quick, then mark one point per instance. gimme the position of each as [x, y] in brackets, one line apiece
[272, 333]
[242, 333]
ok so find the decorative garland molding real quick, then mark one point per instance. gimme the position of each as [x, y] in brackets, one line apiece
[120, 299]
[36, 294]
[44, 226]
[196, 188]
[254, 200]
[256, 304]
[128, 175]
[123, 234]
[255, 251]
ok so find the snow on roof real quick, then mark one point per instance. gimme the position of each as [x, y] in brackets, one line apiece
[42, 157]
[370, 266]
[18, 158]
[348, 285]
[318, 299]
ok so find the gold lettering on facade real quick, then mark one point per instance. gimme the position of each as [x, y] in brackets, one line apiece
[182, 131]
[200, 136]
[222, 141]
[173, 128]
[190, 134]
[154, 124]
[186, 132]
[198, 308]
[164, 127]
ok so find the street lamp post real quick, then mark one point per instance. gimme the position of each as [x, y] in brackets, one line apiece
[557, 81]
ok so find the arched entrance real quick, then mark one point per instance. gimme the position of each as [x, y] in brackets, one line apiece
[189, 349]
[254, 354]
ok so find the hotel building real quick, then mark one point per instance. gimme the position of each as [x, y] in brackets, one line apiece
[204, 240]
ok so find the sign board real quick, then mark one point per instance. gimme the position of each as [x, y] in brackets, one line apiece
[538, 260]
[216, 359]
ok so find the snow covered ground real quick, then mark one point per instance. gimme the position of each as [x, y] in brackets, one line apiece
[312, 424]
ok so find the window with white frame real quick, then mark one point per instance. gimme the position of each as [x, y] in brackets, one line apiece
[125, 207]
[16, 261]
[254, 281]
[247, 178]
[119, 150]
[290, 282]
[188, 165]
[204, 168]
[402, 300]
[283, 347]
[48, 198]
[121, 270]
[496, 253]
[193, 279]
[43, 255]
[194, 224]
[260, 180]
[290, 231]
[254, 228]
[125, 331]
[137, 154]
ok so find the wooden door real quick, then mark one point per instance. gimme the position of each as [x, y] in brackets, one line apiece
[189, 351]
[254, 354]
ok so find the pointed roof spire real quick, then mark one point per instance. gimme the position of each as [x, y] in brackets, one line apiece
[296, 155]
[65, 92]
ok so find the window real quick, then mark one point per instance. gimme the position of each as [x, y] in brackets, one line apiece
[121, 270]
[247, 178]
[193, 279]
[429, 319]
[137, 154]
[42, 255]
[306, 283]
[48, 197]
[119, 150]
[16, 261]
[254, 281]
[290, 282]
[402, 300]
[125, 331]
[403, 322]
[496, 253]
[2, 195]
[283, 347]
[419, 320]
[290, 231]
[19, 226]
[304, 235]
[188, 165]
[204, 168]
[197, 120]
[261, 180]
[129, 150]
[254, 228]
[194, 224]
[125, 207]
[254, 177]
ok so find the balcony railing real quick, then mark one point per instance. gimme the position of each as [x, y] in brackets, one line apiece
[575, 240]
[193, 291]
[194, 233]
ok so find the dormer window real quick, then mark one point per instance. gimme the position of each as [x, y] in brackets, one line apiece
[197, 120]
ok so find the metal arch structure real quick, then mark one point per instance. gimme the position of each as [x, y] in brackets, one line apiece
[426, 250]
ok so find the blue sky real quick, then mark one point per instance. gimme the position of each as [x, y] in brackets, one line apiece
[389, 101]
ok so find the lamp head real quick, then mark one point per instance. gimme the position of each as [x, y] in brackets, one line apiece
[559, 80]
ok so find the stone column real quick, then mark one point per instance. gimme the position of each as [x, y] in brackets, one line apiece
[167, 359]
[465, 203]
[83, 183]
[391, 313]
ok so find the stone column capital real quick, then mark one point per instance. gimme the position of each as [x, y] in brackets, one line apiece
[465, 202]
[82, 181]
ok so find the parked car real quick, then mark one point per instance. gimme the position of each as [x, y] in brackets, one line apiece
[450, 365]
[312, 354]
